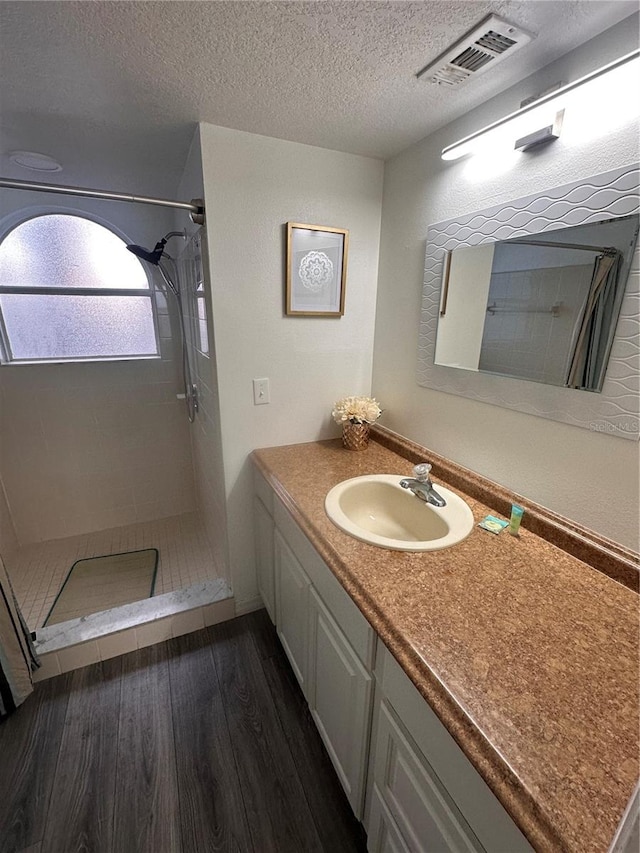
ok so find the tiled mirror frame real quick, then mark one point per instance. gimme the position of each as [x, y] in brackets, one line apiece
[616, 410]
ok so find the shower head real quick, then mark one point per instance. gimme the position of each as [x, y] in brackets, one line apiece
[152, 256]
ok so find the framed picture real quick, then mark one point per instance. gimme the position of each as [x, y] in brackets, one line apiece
[316, 270]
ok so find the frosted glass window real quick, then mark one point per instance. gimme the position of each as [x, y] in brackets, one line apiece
[58, 250]
[44, 327]
[63, 253]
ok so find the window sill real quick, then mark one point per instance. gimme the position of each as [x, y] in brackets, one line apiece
[40, 361]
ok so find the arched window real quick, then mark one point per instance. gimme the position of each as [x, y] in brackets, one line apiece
[69, 290]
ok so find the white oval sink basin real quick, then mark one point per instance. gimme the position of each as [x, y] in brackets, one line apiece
[376, 509]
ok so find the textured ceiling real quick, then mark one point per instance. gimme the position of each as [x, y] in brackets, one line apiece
[113, 89]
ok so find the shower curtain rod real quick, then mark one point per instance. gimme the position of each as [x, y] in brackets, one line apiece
[195, 206]
[563, 245]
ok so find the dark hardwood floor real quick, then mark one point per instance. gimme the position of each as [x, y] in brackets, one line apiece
[199, 744]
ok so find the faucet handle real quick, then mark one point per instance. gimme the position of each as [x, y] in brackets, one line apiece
[421, 472]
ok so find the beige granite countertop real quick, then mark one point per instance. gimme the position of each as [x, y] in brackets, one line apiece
[528, 655]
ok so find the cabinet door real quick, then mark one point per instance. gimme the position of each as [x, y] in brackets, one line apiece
[264, 556]
[425, 814]
[339, 699]
[383, 836]
[292, 591]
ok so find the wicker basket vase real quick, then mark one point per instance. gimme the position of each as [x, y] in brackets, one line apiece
[355, 436]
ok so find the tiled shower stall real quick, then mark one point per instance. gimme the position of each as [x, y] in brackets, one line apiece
[99, 457]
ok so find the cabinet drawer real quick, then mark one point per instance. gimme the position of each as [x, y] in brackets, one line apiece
[357, 630]
[426, 816]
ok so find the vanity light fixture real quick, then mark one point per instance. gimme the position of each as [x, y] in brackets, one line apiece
[537, 122]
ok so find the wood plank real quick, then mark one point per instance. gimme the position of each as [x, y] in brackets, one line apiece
[212, 812]
[147, 813]
[82, 802]
[87, 762]
[29, 744]
[264, 635]
[277, 810]
[334, 820]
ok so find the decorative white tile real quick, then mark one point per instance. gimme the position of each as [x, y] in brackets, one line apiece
[219, 611]
[75, 657]
[117, 644]
[154, 632]
[187, 622]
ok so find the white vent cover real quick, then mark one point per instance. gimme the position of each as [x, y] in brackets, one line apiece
[480, 49]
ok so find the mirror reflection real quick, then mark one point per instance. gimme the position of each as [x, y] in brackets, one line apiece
[542, 307]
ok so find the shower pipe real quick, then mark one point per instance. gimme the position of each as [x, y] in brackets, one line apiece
[190, 388]
[195, 206]
[153, 258]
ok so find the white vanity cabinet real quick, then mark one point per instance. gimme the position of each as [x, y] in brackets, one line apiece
[419, 809]
[423, 792]
[327, 640]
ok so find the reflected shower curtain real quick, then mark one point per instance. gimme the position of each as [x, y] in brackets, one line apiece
[587, 361]
[17, 655]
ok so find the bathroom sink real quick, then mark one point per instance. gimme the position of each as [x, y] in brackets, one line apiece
[377, 510]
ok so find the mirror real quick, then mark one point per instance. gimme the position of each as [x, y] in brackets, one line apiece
[591, 199]
[541, 307]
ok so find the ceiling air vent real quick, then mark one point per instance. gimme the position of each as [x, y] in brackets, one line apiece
[482, 48]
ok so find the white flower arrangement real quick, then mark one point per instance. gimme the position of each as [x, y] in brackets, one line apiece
[356, 410]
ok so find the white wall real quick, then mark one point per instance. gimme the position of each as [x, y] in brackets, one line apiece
[88, 446]
[8, 539]
[205, 431]
[466, 307]
[254, 185]
[590, 477]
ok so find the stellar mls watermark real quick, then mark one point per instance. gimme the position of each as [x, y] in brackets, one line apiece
[624, 427]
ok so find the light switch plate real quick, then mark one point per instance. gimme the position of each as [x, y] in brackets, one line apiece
[261, 392]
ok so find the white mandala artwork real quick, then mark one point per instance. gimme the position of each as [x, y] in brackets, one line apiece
[315, 271]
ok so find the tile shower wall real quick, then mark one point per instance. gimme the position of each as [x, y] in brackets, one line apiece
[524, 336]
[94, 445]
[90, 446]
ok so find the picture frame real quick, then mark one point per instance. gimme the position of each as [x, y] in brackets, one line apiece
[316, 270]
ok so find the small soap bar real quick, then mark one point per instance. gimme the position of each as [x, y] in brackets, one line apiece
[493, 524]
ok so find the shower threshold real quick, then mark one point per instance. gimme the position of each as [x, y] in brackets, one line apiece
[99, 636]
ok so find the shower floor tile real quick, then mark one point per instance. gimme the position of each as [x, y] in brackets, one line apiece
[37, 571]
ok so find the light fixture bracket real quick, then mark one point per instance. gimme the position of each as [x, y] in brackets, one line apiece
[542, 136]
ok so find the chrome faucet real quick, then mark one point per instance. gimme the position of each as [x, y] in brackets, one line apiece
[422, 487]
